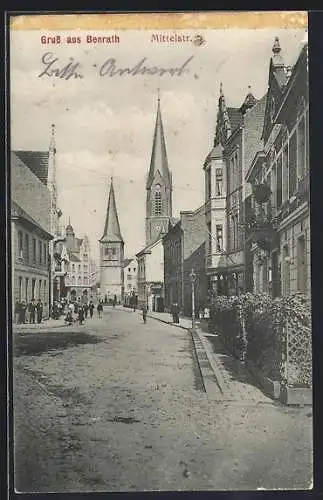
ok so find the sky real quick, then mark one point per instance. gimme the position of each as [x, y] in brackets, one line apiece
[104, 125]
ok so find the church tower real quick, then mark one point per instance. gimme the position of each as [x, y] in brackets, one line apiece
[158, 186]
[111, 252]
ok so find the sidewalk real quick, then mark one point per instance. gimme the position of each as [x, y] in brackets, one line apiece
[221, 372]
[44, 325]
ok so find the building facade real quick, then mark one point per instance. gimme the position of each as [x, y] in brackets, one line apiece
[130, 275]
[150, 263]
[237, 138]
[74, 257]
[111, 254]
[279, 210]
[43, 165]
[30, 235]
[184, 250]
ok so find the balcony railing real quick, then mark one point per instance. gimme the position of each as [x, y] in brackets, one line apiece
[261, 228]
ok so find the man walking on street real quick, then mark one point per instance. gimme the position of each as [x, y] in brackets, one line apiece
[91, 307]
[99, 309]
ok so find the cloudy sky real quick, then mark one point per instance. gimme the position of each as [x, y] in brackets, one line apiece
[104, 125]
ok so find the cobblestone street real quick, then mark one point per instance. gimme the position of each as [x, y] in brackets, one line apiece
[118, 405]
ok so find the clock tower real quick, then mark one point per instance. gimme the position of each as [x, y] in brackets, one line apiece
[158, 186]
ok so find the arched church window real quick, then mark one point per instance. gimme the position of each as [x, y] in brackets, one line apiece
[158, 200]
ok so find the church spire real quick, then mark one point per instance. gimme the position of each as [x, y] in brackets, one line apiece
[158, 162]
[111, 231]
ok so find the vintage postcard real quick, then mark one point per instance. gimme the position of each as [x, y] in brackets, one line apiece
[160, 243]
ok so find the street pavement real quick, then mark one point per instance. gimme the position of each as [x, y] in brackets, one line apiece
[119, 405]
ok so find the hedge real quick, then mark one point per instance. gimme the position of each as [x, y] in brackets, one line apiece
[274, 334]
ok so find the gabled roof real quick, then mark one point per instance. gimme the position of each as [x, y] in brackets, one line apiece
[235, 118]
[19, 213]
[148, 248]
[126, 262]
[37, 162]
[111, 231]
[159, 161]
[73, 257]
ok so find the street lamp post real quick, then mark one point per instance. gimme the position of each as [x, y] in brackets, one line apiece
[193, 280]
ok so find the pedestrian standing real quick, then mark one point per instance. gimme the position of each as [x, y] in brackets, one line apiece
[39, 309]
[91, 307]
[99, 309]
[81, 315]
[32, 311]
[85, 310]
[23, 312]
[17, 312]
[144, 313]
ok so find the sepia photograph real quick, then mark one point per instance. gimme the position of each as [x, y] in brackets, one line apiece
[160, 252]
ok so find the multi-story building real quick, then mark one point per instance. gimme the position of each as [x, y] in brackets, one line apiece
[111, 253]
[184, 251]
[237, 138]
[74, 257]
[43, 165]
[158, 215]
[278, 217]
[30, 236]
[130, 275]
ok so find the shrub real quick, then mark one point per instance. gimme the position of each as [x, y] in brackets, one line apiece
[273, 334]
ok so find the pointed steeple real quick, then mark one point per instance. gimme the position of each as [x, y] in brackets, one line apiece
[249, 101]
[158, 162]
[52, 144]
[112, 228]
[277, 59]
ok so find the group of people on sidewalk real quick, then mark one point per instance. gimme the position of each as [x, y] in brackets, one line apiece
[28, 312]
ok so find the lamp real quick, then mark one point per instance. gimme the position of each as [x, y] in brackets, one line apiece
[193, 280]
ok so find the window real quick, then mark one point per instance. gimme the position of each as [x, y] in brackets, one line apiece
[26, 289]
[20, 288]
[208, 183]
[20, 243]
[73, 280]
[292, 164]
[34, 250]
[45, 254]
[301, 153]
[73, 268]
[33, 285]
[274, 186]
[45, 290]
[106, 251]
[113, 251]
[286, 272]
[218, 182]
[301, 265]
[285, 173]
[158, 203]
[27, 247]
[209, 237]
[40, 248]
[219, 238]
[279, 182]
[79, 281]
[79, 268]
[40, 289]
[134, 269]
